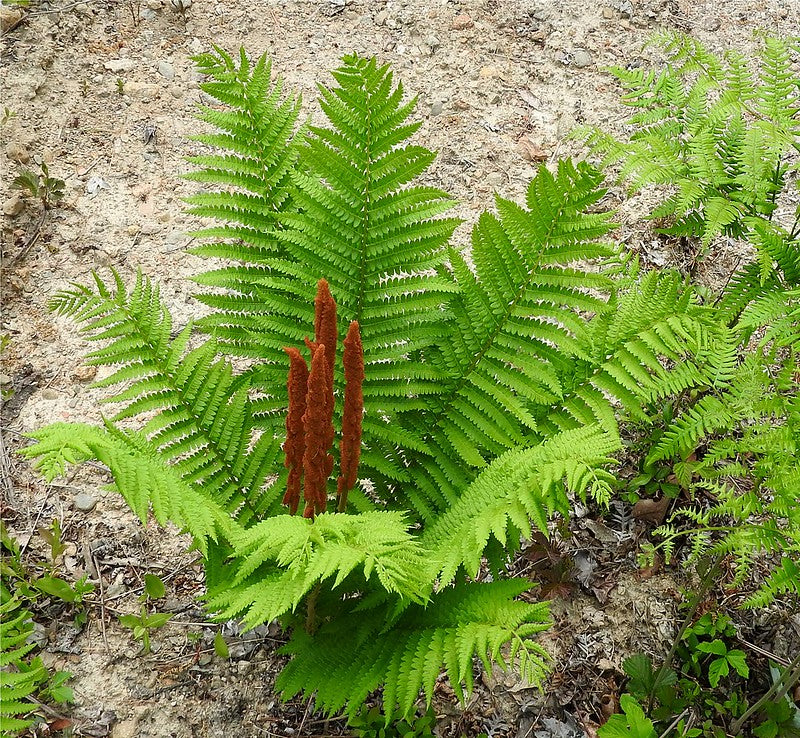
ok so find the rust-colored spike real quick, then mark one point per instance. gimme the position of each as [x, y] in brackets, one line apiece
[294, 447]
[318, 426]
[325, 334]
[350, 448]
[325, 323]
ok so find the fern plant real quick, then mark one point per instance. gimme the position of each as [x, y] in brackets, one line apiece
[719, 138]
[489, 387]
[16, 682]
[714, 134]
[739, 449]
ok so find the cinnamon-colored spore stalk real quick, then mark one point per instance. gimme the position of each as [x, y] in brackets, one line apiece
[350, 448]
[318, 426]
[325, 334]
[294, 448]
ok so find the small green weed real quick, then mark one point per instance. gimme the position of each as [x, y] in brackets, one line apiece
[145, 622]
[41, 186]
[142, 624]
[371, 723]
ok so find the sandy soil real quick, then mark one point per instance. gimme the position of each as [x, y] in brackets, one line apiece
[103, 93]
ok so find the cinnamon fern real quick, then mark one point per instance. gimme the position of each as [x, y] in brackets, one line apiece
[492, 383]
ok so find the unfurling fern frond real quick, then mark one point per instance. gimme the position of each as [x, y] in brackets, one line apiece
[282, 559]
[362, 648]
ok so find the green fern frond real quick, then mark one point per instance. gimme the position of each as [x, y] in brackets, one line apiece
[280, 560]
[358, 222]
[516, 320]
[653, 342]
[202, 416]
[351, 656]
[19, 679]
[785, 579]
[140, 473]
[258, 140]
[519, 491]
[706, 128]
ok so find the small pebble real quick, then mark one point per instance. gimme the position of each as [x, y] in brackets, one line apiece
[48, 393]
[436, 108]
[9, 17]
[119, 65]
[84, 502]
[166, 70]
[13, 206]
[461, 22]
[381, 18]
[581, 58]
[17, 152]
[84, 373]
[710, 24]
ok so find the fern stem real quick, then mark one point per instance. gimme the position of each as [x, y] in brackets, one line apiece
[311, 609]
[788, 678]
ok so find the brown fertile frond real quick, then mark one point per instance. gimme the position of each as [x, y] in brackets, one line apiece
[325, 323]
[325, 334]
[318, 425]
[294, 447]
[352, 414]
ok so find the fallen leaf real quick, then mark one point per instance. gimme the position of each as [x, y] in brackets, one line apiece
[531, 151]
[652, 511]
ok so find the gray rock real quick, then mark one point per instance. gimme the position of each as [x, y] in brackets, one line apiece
[17, 152]
[166, 70]
[115, 590]
[581, 58]
[119, 65]
[48, 393]
[149, 227]
[436, 108]
[84, 502]
[710, 24]
[13, 206]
